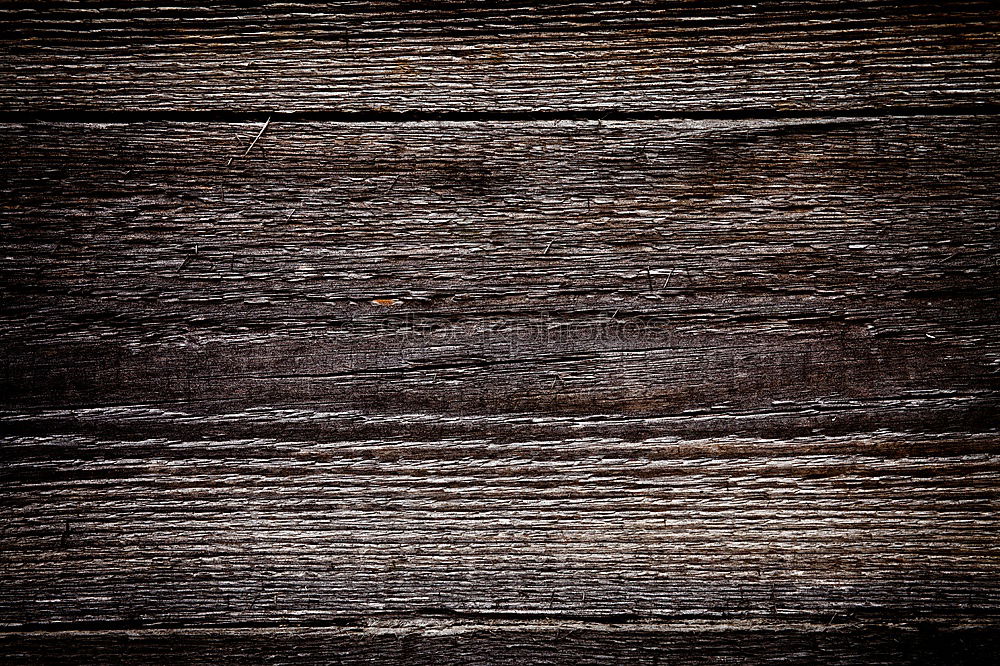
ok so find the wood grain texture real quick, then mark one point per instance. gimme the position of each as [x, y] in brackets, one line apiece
[884, 526]
[625, 332]
[562, 372]
[430, 641]
[486, 56]
[642, 268]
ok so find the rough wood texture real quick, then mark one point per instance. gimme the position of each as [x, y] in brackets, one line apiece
[448, 364]
[637, 267]
[886, 526]
[444, 642]
[675, 370]
[486, 56]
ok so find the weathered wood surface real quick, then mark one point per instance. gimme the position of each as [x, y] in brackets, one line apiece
[447, 642]
[880, 526]
[619, 333]
[573, 267]
[653, 371]
[487, 56]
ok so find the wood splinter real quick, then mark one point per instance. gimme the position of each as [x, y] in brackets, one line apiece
[254, 142]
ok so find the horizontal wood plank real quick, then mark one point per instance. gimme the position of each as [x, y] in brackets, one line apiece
[474, 56]
[643, 268]
[884, 526]
[444, 642]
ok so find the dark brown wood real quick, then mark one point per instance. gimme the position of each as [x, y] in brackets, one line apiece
[489, 56]
[641, 268]
[878, 526]
[445, 642]
[661, 370]
[613, 333]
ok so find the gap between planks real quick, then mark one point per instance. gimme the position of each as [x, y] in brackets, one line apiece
[613, 114]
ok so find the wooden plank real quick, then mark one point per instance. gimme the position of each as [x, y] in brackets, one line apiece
[488, 57]
[638, 268]
[888, 527]
[626, 332]
[662, 370]
[444, 642]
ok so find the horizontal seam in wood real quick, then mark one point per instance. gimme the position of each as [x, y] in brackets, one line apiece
[613, 114]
